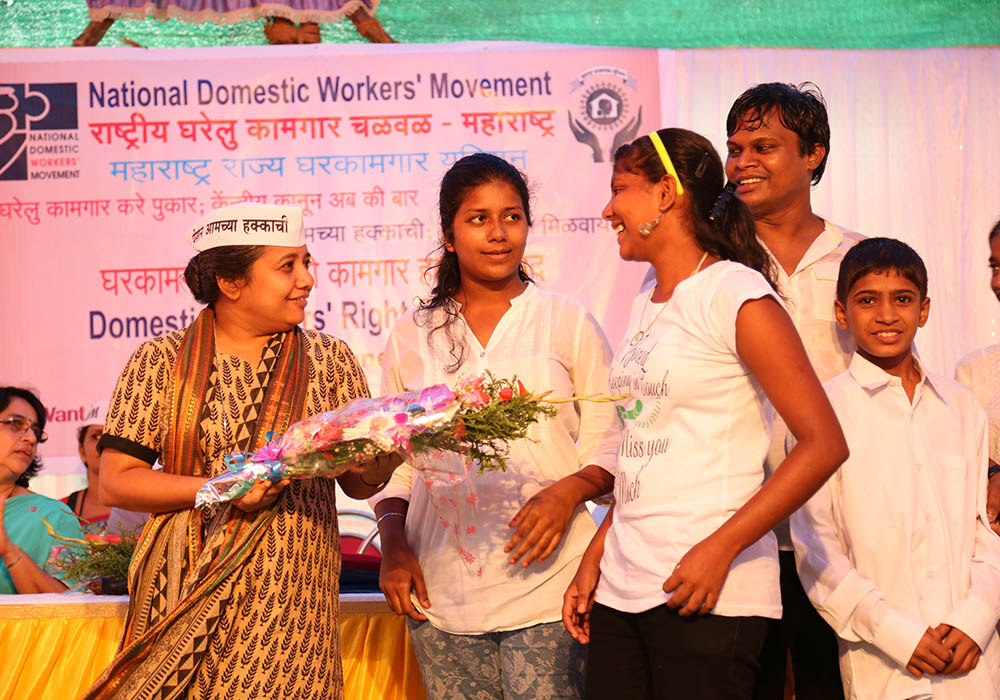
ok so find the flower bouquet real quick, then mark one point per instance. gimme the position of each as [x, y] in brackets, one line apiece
[100, 562]
[477, 419]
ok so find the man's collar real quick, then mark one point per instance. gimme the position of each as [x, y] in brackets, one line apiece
[826, 242]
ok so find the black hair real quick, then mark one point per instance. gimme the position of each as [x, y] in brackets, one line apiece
[81, 434]
[800, 108]
[230, 262]
[995, 231]
[723, 226]
[9, 393]
[465, 175]
[880, 255]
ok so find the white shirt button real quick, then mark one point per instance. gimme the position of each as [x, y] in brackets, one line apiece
[482, 354]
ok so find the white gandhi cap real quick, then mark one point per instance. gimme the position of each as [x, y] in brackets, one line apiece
[248, 223]
[97, 415]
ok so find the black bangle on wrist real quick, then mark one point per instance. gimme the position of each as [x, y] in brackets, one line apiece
[992, 471]
[374, 486]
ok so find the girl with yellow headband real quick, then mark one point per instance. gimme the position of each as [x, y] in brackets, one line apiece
[680, 584]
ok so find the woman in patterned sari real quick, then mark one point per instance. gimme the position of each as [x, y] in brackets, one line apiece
[241, 601]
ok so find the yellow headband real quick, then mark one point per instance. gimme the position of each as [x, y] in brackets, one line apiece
[665, 159]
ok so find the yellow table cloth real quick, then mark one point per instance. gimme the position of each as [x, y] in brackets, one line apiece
[53, 646]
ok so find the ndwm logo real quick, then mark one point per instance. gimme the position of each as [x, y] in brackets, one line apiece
[604, 109]
[35, 118]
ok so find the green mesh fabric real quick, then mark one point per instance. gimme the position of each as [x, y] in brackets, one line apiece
[851, 24]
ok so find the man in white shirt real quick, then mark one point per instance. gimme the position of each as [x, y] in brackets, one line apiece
[895, 550]
[779, 139]
[980, 371]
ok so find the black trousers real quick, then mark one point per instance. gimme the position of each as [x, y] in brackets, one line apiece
[812, 643]
[657, 654]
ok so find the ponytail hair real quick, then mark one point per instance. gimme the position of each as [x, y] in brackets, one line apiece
[723, 226]
[465, 175]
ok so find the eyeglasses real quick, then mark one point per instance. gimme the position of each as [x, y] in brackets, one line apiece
[20, 425]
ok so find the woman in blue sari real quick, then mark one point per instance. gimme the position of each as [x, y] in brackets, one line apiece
[26, 547]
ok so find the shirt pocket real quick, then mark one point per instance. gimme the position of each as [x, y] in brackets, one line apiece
[956, 483]
[824, 290]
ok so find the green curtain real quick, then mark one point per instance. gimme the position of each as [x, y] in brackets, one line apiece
[849, 24]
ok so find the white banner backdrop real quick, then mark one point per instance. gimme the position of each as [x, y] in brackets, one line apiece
[107, 154]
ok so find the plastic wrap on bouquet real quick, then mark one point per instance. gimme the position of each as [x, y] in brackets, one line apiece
[329, 444]
[238, 480]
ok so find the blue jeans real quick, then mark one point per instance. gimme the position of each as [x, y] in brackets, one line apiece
[535, 663]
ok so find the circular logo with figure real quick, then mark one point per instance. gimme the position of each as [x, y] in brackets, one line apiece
[603, 106]
[604, 111]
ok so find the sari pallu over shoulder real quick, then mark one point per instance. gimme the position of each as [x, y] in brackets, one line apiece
[184, 567]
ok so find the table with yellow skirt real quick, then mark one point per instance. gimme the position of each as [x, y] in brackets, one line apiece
[53, 646]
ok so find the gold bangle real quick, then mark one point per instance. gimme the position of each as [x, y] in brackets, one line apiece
[13, 563]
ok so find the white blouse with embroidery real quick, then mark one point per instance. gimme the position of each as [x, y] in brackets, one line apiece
[458, 530]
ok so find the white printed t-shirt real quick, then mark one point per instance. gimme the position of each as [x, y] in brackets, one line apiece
[896, 541]
[695, 436]
[551, 343]
[809, 294]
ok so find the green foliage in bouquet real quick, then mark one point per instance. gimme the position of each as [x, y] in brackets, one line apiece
[95, 556]
[495, 411]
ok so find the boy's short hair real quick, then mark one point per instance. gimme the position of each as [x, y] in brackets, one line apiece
[799, 108]
[880, 255]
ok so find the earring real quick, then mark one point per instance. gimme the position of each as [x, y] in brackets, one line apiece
[646, 228]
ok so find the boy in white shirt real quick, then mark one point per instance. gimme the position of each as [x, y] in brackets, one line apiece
[895, 550]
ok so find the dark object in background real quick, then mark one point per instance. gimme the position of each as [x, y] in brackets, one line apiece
[109, 585]
[359, 573]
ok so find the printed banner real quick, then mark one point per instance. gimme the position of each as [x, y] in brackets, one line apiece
[105, 161]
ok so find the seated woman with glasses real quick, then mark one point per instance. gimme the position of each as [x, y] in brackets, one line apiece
[26, 547]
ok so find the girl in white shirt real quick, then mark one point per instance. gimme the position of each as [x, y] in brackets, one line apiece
[485, 624]
[684, 570]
